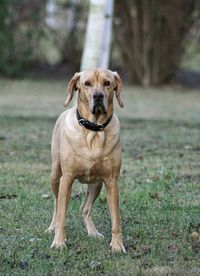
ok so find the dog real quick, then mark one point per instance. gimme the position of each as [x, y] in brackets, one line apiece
[86, 146]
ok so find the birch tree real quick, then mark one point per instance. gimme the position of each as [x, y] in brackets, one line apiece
[98, 37]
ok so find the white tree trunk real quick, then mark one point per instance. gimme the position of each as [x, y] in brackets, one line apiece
[98, 38]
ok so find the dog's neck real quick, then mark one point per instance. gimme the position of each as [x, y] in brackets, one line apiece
[94, 118]
[94, 138]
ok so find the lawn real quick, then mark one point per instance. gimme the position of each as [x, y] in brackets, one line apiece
[159, 183]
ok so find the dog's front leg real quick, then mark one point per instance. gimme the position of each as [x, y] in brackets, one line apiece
[63, 199]
[112, 191]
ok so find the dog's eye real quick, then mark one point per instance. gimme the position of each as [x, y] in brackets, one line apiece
[106, 83]
[87, 83]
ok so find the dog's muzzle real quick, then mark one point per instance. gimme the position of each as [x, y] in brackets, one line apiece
[98, 103]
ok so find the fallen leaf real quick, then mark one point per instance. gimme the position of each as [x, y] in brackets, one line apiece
[173, 248]
[196, 246]
[23, 264]
[7, 196]
[194, 235]
[174, 234]
[139, 157]
[95, 265]
[78, 250]
[155, 177]
[155, 195]
[141, 250]
[45, 256]
[34, 239]
[188, 147]
[45, 196]
[145, 249]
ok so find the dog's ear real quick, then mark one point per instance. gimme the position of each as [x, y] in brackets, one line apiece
[118, 88]
[72, 86]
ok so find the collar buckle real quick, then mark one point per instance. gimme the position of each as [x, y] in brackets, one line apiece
[100, 126]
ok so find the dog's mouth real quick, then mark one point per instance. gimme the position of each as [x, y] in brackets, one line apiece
[98, 107]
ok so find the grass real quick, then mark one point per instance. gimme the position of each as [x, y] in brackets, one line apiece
[160, 184]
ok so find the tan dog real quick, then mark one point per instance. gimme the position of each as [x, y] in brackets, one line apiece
[86, 146]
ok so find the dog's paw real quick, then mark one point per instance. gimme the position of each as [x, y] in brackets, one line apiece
[59, 243]
[50, 230]
[95, 234]
[117, 246]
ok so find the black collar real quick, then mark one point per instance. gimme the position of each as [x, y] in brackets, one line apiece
[92, 126]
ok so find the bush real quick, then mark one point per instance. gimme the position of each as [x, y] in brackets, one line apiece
[21, 27]
[9, 64]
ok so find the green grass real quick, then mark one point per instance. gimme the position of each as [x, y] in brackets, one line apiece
[160, 186]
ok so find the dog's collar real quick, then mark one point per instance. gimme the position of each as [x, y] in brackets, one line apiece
[92, 126]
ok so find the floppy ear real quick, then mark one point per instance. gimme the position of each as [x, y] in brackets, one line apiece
[72, 86]
[118, 88]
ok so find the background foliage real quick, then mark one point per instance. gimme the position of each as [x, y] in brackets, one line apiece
[33, 33]
[50, 33]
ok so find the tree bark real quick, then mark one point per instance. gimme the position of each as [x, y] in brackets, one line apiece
[96, 50]
[150, 35]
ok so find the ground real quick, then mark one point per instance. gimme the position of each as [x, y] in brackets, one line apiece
[159, 183]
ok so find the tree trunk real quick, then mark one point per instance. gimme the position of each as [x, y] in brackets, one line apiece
[98, 35]
[150, 35]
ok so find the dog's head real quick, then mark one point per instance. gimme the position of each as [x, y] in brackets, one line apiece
[96, 89]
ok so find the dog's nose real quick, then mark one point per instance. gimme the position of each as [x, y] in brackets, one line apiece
[98, 96]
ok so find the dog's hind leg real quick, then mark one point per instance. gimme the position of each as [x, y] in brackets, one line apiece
[86, 208]
[55, 180]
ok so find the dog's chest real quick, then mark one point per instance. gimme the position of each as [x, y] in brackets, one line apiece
[95, 142]
[92, 170]
[95, 158]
